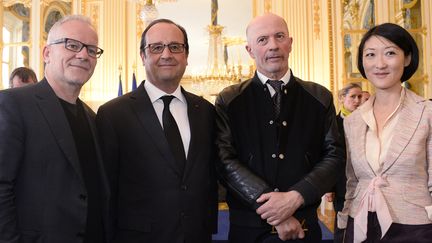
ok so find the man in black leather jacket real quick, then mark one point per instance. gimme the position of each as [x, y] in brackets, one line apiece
[276, 162]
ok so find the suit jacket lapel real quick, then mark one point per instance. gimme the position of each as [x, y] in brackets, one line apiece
[409, 119]
[146, 114]
[359, 134]
[193, 110]
[91, 121]
[54, 114]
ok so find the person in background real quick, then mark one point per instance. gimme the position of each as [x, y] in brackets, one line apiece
[350, 99]
[276, 160]
[22, 76]
[158, 142]
[389, 147]
[53, 186]
[365, 96]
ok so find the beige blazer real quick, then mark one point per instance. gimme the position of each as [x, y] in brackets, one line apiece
[407, 167]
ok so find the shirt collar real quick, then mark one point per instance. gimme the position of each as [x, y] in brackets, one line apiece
[284, 79]
[155, 93]
[366, 109]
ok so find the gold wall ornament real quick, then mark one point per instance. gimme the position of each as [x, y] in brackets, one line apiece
[267, 6]
[8, 3]
[316, 18]
[94, 15]
[331, 49]
[140, 25]
[410, 4]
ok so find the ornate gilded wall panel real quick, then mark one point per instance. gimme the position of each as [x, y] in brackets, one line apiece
[15, 37]
[359, 16]
[93, 91]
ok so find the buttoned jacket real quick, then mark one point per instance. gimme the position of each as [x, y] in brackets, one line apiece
[43, 196]
[153, 200]
[259, 153]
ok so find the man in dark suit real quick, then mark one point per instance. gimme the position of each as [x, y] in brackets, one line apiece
[278, 144]
[52, 183]
[161, 170]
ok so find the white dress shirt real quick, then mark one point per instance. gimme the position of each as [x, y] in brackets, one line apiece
[264, 79]
[178, 108]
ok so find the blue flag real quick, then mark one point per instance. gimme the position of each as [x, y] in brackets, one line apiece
[134, 83]
[120, 88]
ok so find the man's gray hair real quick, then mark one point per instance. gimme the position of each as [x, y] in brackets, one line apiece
[67, 18]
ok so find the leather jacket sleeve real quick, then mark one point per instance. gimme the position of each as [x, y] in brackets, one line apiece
[234, 175]
[247, 186]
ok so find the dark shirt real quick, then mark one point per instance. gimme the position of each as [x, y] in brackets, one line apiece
[86, 150]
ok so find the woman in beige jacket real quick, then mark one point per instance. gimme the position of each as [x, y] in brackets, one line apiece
[389, 146]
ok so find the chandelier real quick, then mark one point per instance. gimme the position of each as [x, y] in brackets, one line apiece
[149, 11]
[219, 73]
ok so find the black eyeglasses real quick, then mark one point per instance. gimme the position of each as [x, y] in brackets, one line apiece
[77, 46]
[157, 48]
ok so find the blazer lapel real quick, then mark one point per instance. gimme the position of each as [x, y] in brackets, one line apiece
[359, 138]
[91, 121]
[193, 110]
[146, 114]
[54, 114]
[409, 120]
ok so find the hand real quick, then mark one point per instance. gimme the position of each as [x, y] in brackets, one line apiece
[278, 206]
[290, 229]
[329, 196]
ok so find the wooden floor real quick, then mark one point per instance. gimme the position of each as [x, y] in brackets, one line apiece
[327, 215]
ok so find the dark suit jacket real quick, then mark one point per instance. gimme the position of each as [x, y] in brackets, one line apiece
[42, 192]
[153, 202]
[340, 187]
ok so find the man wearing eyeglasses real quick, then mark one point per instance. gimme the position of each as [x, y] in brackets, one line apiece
[52, 182]
[158, 143]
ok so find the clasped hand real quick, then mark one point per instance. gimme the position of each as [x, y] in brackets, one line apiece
[290, 229]
[277, 207]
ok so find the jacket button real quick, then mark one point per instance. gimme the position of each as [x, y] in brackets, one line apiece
[284, 123]
[82, 197]
[271, 122]
[281, 156]
[273, 156]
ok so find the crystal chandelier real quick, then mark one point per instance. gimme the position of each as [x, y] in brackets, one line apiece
[149, 11]
[218, 74]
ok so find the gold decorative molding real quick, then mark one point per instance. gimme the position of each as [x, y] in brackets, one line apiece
[267, 6]
[316, 18]
[26, 3]
[83, 6]
[94, 15]
[409, 4]
[139, 23]
[331, 49]
[49, 2]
